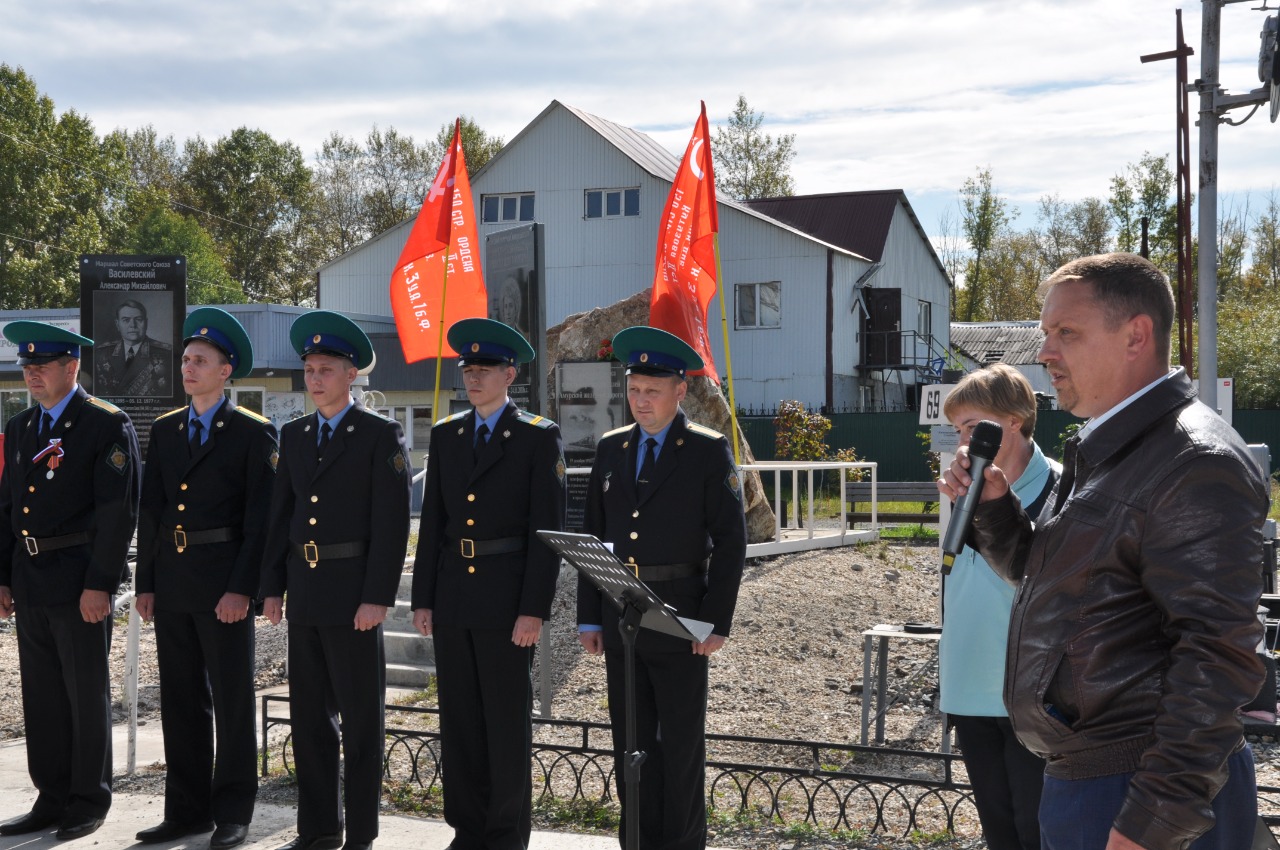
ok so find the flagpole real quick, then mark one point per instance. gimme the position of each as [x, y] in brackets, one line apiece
[728, 358]
[444, 291]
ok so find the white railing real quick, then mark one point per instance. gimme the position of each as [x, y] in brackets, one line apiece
[788, 537]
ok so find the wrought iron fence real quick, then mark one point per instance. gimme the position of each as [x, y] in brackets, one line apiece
[830, 785]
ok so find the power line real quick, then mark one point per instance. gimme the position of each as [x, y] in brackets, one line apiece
[209, 283]
[118, 182]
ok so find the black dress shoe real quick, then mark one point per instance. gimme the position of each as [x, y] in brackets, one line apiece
[30, 822]
[315, 842]
[169, 830]
[78, 827]
[228, 835]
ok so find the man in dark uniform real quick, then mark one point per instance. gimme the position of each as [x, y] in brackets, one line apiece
[483, 584]
[336, 544]
[68, 506]
[665, 493]
[135, 364]
[206, 491]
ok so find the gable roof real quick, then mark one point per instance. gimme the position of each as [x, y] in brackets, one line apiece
[856, 221]
[659, 162]
[1015, 343]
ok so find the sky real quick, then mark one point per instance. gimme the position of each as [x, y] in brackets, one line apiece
[906, 94]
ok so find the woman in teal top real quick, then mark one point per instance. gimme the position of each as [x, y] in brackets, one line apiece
[1006, 778]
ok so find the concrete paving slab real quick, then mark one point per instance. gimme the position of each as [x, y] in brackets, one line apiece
[273, 825]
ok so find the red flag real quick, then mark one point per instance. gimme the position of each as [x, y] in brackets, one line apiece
[684, 279]
[446, 226]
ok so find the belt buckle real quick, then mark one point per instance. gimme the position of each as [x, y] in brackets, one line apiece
[311, 552]
[33, 547]
[467, 547]
[179, 539]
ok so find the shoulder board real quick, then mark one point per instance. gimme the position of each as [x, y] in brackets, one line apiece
[173, 412]
[617, 431]
[533, 419]
[703, 430]
[102, 405]
[453, 417]
[376, 415]
[249, 413]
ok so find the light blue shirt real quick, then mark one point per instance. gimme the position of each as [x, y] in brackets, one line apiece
[660, 438]
[491, 420]
[56, 411]
[975, 629]
[206, 420]
[333, 423]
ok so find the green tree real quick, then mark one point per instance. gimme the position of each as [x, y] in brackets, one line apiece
[751, 164]
[478, 147]
[1014, 271]
[1265, 249]
[983, 216]
[1248, 339]
[59, 195]
[397, 174]
[1146, 190]
[253, 191]
[342, 183]
[163, 231]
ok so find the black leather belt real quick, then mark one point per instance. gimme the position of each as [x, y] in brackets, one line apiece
[313, 554]
[668, 572]
[182, 538]
[468, 548]
[36, 545]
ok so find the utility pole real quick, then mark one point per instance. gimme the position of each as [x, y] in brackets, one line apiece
[1213, 103]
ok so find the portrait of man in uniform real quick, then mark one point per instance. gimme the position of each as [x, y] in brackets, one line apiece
[133, 363]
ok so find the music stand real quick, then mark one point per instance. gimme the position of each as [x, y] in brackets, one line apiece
[640, 608]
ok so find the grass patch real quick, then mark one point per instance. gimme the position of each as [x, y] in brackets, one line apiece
[411, 799]
[910, 533]
[578, 815]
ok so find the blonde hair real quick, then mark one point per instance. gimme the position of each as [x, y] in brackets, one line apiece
[999, 388]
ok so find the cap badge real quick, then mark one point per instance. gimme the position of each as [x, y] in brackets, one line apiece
[31, 346]
[204, 331]
[316, 338]
[475, 346]
[644, 358]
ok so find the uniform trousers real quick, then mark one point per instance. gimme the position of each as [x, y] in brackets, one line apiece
[206, 675]
[337, 672]
[66, 703]
[486, 732]
[671, 715]
[1077, 814]
[1006, 780]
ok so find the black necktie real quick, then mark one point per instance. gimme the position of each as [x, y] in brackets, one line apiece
[46, 425]
[128, 357]
[325, 433]
[482, 437]
[1068, 480]
[646, 467]
[196, 428]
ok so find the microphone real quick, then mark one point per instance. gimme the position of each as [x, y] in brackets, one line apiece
[984, 445]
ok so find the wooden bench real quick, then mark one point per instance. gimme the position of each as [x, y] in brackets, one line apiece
[859, 492]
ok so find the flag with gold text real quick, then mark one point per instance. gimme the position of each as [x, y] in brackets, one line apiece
[684, 278]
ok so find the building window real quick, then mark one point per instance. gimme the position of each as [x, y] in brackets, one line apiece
[924, 322]
[612, 203]
[12, 402]
[517, 206]
[759, 304]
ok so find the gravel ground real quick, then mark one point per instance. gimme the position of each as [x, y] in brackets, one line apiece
[791, 669]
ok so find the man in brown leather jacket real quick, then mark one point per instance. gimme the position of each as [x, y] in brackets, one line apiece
[1133, 636]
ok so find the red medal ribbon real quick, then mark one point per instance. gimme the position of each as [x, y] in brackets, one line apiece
[53, 451]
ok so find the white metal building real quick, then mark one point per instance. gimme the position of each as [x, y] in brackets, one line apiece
[796, 302]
